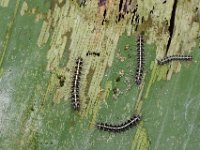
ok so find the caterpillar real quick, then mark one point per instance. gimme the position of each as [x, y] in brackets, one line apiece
[133, 121]
[75, 85]
[140, 60]
[174, 58]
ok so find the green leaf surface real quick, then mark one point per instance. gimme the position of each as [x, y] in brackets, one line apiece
[36, 112]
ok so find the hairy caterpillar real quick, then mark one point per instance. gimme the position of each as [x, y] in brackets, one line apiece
[133, 121]
[140, 60]
[174, 58]
[75, 85]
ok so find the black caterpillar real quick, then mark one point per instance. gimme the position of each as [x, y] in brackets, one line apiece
[121, 127]
[75, 85]
[140, 60]
[174, 58]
